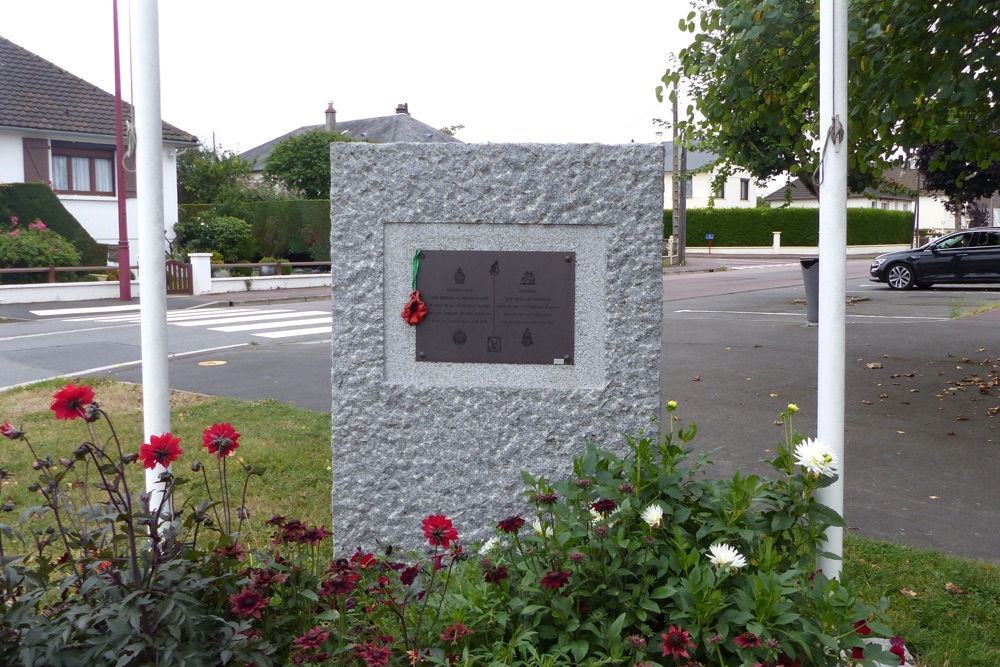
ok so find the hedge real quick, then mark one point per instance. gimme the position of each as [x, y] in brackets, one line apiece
[798, 226]
[298, 229]
[36, 201]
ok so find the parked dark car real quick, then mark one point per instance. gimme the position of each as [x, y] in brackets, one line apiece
[967, 256]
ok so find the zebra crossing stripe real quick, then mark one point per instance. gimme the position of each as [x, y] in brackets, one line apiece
[272, 325]
[271, 315]
[60, 312]
[296, 332]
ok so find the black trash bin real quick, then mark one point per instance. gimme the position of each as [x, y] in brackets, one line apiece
[810, 276]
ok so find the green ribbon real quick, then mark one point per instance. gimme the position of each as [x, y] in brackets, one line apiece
[416, 268]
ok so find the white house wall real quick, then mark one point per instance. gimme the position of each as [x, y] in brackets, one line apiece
[701, 191]
[98, 215]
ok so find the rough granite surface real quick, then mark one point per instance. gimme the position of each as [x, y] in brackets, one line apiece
[409, 439]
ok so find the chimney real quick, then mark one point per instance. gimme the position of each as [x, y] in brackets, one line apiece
[403, 108]
[331, 118]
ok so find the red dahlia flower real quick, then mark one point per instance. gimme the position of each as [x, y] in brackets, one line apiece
[71, 401]
[312, 639]
[556, 579]
[898, 648]
[603, 506]
[439, 531]
[161, 449]
[221, 439]
[452, 633]
[747, 640]
[676, 642]
[494, 574]
[415, 310]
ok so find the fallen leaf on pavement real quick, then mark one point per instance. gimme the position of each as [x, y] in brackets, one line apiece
[961, 418]
[865, 401]
[934, 497]
[901, 432]
[874, 365]
[774, 396]
[696, 378]
[883, 395]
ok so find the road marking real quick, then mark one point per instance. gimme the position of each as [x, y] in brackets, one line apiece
[759, 266]
[172, 315]
[63, 333]
[99, 369]
[273, 325]
[57, 312]
[750, 312]
[270, 315]
[295, 332]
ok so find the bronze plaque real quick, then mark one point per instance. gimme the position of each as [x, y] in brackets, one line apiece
[497, 307]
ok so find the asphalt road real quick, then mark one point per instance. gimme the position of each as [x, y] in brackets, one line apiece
[919, 438]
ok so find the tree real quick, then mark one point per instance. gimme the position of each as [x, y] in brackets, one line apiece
[302, 162]
[947, 168]
[210, 176]
[452, 130]
[921, 72]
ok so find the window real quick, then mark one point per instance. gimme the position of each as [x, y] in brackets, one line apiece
[744, 189]
[874, 204]
[83, 168]
[689, 187]
[885, 205]
[719, 188]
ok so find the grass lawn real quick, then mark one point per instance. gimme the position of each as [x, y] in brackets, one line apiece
[944, 607]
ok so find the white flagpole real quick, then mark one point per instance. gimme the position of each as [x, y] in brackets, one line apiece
[831, 364]
[152, 265]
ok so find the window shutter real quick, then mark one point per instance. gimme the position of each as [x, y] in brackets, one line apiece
[36, 160]
[130, 187]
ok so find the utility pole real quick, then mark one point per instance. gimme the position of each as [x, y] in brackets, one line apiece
[679, 183]
[124, 260]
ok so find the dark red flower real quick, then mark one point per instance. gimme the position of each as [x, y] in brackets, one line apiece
[415, 310]
[494, 574]
[583, 483]
[276, 520]
[452, 633]
[555, 579]
[71, 401]
[409, 575]
[511, 524]
[785, 661]
[314, 535]
[312, 640]
[857, 652]
[439, 531]
[237, 551]
[603, 506]
[248, 602]
[373, 654]
[220, 439]
[898, 648]
[342, 584]
[544, 498]
[861, 627]
[8, 431]
[265, 578]
[747, 640]
[676, 642]
[160, 450]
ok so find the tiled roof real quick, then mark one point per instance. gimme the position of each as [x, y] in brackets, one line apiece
[399, 127]
[37, 95]
[799, 193]
[696, 160]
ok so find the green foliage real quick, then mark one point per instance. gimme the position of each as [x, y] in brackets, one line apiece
[298, 229]
[36, 201]
[302, 162]
[920, 73]
[34, 245]
[286, 270]
[208, 176]
[798, 226]
[231, 237]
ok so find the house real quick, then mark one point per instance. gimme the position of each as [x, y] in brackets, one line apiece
[910, 195]
[399, 127]
[738, 190]
[57, 128]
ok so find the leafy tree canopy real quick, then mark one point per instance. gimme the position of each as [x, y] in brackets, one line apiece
[302, 162]
[210, 176]
[922, 73]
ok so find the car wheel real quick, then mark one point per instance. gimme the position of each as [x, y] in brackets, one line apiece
[899, 276]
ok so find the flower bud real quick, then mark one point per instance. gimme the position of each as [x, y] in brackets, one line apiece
[8, 506]
[65, 462]
[81, 451]
[196, 466]
[34, 486]
[37, 465]
[130, 458]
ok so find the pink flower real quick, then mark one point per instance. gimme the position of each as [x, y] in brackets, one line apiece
[248, 602]
[8, 431]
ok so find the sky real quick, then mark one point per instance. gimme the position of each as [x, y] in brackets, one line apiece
[248, 71]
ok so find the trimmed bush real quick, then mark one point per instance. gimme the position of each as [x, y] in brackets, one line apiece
[298, 229]
[230, 236]
[798, 226]
[34, 245]
[36, 201]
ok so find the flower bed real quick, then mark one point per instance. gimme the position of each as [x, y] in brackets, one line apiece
[634, 560]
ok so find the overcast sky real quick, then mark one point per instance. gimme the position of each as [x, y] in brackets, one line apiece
[248, 71]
